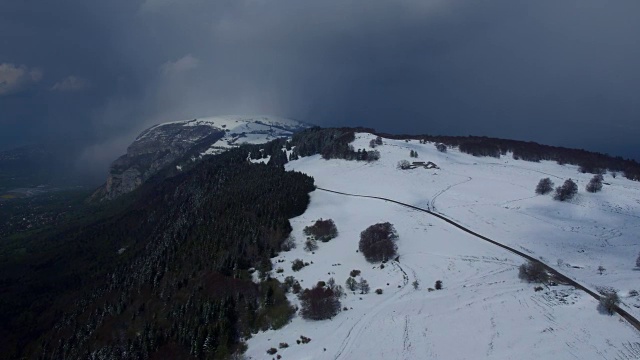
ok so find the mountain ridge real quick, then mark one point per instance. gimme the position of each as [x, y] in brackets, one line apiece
[162, 144]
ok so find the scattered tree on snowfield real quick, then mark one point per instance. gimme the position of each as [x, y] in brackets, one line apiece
[545, 186]
[609, 301]
[567, 191]
[533, 271]
[351, 284]
[377, 242]
[364, 286]
[323, 230]
[595, 184]
[404, 165]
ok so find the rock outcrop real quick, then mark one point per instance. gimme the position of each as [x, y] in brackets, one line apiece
[163, 144]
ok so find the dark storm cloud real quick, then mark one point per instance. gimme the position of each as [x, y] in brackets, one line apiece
[561, 72]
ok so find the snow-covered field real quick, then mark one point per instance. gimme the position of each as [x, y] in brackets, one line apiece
[484, 310]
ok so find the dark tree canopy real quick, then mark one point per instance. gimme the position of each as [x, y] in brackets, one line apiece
[545, 186]
[595, 184]
[533, 271]
[567, 191]
[319, 303]
[323, 230]
[184, 280]
[609, 301]
[331, 144]
[378, 242]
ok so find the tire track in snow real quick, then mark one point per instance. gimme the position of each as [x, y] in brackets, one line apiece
[432, 203]
[357, 329]
[559, 276]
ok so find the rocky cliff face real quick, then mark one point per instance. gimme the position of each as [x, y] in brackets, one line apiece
[163, 144]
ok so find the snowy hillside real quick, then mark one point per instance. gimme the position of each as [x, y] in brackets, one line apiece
[240, 129]
[162, 144]
[483, 310]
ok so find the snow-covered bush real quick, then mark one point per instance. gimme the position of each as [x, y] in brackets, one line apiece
[609, 301]
[355, 272]
[297, 265]
[533, 271]
[441, 147]
[377, 242]
[404, 165]
[323, 230]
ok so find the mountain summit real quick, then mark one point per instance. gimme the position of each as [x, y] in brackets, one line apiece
[161, 144]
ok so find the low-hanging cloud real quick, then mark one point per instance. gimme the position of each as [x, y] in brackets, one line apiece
[71, 83]
[555, 72]
[17, 78]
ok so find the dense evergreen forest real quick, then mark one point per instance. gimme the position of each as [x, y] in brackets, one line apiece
[164, 273]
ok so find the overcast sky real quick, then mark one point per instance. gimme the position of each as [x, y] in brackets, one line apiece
[557, 72]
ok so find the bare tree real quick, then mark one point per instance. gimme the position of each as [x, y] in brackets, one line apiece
[595, 184]
[545, 186]
[533, 271]
[351, 284]
[567, 191]
[609, 301]
[364, 286]
[404, 165]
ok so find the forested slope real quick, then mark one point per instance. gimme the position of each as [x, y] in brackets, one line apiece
[166, 274]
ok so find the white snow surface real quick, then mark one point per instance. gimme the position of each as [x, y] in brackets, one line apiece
[484, 310]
